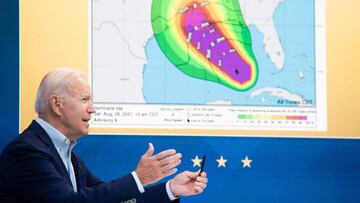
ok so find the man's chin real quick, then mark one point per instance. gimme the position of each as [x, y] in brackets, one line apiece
[85, 132]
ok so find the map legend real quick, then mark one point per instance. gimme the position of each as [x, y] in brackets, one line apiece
[271, 117]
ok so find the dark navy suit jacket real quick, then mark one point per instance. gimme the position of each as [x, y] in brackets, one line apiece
[31, 170]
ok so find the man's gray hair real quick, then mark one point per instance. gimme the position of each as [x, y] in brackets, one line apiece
[56, 82]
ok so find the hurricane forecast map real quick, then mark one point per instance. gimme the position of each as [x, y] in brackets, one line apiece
[218, 64]
[211, 48]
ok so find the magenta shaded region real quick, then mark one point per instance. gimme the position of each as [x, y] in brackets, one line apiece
[206, 38]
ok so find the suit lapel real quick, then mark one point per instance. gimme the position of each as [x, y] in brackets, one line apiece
[79, 172]
[58, 162]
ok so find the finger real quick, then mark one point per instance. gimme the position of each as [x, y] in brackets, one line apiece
[165, 153]
[200, 179]
[192, 175]
[169, 172]
[171, 165]
[170, 159]
[150, 150]
[203, 174]
[200, 184]
[198, 189]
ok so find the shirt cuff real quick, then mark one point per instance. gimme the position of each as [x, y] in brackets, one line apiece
[138, 183]
[168, 190]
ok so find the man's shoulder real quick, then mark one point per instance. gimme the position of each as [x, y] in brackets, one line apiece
[28, 143]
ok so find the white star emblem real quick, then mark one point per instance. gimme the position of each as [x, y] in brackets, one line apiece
[221, 162]
[196, 161]
[246, 162]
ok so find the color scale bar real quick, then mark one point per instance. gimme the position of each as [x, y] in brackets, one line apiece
[270, 117]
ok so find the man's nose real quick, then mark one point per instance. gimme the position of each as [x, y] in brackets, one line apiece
[91, 108]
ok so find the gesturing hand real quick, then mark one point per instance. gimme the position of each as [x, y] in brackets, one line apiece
[152, 168]
[188, 183]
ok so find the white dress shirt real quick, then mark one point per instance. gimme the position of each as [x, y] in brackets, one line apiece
[64, 147]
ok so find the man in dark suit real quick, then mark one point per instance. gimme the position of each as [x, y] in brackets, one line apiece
[39, 165]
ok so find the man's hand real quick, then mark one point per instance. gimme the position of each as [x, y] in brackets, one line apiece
[188, 183]
[152, 168]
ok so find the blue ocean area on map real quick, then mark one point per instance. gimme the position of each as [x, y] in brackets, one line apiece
[165, 84]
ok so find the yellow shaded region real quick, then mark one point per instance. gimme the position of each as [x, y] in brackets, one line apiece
[52, 34]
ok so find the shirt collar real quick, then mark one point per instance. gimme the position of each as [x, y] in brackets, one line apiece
[62, 144]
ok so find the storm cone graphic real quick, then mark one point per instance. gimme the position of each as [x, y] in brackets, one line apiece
[207, 40]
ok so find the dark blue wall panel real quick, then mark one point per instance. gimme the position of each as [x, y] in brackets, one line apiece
[9, 70]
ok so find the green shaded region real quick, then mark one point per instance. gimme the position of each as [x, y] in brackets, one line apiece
[165, 32]
[244, 116]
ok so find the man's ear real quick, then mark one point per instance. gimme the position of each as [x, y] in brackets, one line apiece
[56, 105]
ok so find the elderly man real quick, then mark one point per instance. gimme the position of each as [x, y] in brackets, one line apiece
[39, 165]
